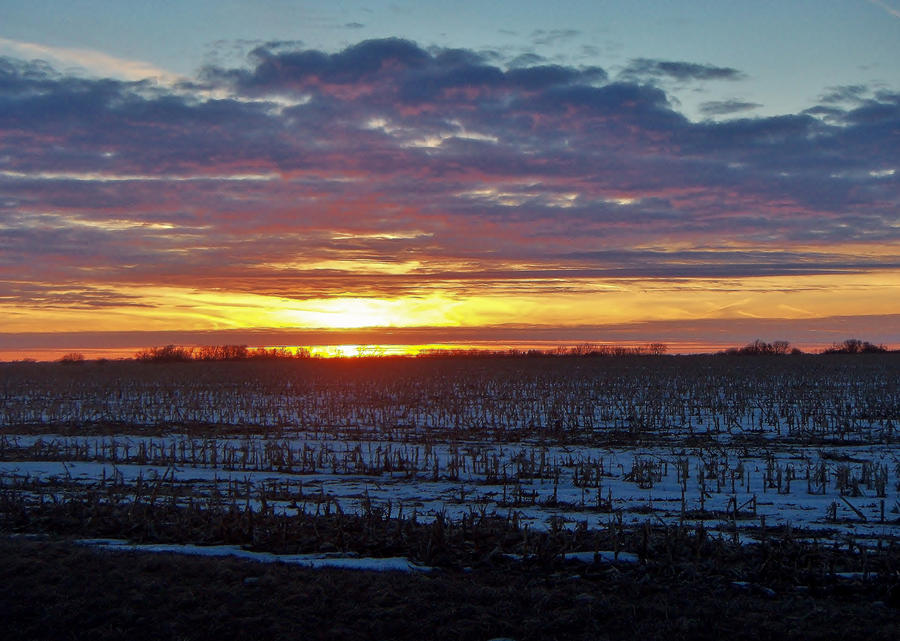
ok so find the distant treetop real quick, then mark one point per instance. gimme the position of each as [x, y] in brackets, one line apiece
[177, 354]
[72, 358]
[759, 347]
[855, 346]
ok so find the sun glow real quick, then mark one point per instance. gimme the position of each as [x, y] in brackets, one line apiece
[364, 351]
[519, 302]
[348, 313]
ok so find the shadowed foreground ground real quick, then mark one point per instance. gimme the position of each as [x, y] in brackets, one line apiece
[53, 589]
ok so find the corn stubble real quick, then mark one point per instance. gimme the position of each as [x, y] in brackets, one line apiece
[519, 431]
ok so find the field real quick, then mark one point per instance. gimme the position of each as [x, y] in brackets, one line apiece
[766, 480]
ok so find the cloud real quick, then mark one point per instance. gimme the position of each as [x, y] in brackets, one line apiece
[727, 107]
[691, 334]
[547, 37]
[352, 65]
[886, 7]
[844, 94]
[94, 62]
[643, 69]
[391, 169]
[528, 59]
[62, 295]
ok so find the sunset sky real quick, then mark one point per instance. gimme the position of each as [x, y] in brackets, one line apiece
[698, 173]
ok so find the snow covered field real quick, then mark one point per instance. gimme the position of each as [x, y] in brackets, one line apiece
[739, 445]
[852, 491]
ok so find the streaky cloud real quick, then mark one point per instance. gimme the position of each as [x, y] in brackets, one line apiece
[650, 69]
[887, 8]
[727, 107]
[552, 36]
[93, 61]
[303, 172]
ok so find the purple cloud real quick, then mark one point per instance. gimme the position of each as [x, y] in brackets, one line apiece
[393, 154]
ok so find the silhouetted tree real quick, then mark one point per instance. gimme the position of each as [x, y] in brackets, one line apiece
[781, 347]
[167, 354]
[221, 353]
[656, 349]
[759, 347]
[855, 346]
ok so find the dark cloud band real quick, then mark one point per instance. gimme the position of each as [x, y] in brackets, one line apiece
[396, 158]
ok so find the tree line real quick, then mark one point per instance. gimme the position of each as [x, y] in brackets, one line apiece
[849, 346]
[208, 353]
[177, 353]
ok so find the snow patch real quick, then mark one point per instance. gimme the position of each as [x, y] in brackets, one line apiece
[345, 562]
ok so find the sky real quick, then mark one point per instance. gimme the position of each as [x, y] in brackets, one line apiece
[698, 173]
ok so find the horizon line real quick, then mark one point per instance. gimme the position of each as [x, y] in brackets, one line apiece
[426, 350]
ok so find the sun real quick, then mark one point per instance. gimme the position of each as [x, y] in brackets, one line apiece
[354, 313]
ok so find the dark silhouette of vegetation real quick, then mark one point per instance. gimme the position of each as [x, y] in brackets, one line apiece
[210, 353]
[855, 346]
[72, 358]
[167, 354]
[178, 354]
[590, 349]
[584, 349]
[761, 348]
[276, 353]
[221, 353]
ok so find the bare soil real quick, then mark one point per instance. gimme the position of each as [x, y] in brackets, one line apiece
[56, 589]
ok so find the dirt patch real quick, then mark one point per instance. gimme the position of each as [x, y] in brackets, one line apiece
[56, 589]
